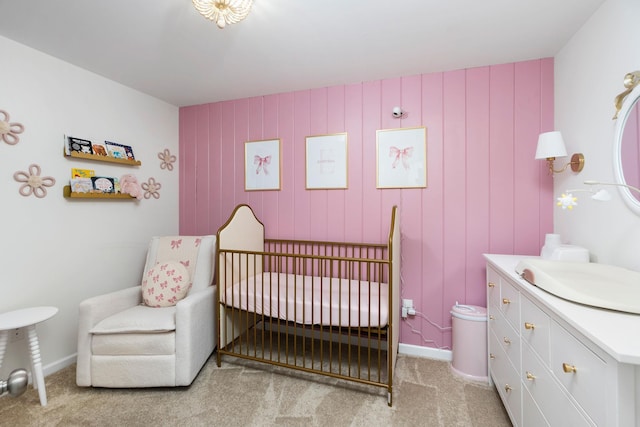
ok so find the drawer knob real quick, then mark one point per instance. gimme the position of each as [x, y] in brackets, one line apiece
[569, 369]
[492, 356]
[506, 340]
[491, 317]
[528, 325]
[507, 388]
[491, 284]
[530, 376]
[506, 301]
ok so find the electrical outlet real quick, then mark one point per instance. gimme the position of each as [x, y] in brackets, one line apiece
[16, 335]
[407, 303]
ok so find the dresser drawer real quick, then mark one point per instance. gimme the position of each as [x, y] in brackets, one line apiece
[531, 414]
[534, 328]
[507, 338]
[493, 289]
[547, 393]
[507, 381]
[580, 371]
[510, 303]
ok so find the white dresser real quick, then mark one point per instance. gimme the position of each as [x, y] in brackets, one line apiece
[559, 363]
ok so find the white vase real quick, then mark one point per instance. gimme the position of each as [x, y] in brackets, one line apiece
[551, 242]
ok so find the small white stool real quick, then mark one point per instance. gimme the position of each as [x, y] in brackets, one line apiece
[27, 318]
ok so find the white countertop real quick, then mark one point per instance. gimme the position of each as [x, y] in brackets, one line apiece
[614, 332]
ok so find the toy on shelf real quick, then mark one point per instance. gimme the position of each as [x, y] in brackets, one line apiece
[129, 185]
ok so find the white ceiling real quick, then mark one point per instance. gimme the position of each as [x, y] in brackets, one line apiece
[166, 49]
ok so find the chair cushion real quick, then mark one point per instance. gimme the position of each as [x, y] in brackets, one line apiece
[138, 319]
[135, 344]
[165, 284]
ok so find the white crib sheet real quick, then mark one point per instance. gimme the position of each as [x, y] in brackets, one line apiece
[319, 300]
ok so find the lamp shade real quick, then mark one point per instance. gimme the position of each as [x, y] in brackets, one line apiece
[550, 144]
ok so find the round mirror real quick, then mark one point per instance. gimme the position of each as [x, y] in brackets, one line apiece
[626, 155]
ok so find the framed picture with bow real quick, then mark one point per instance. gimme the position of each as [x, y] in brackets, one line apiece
[401, 158]
[262, 165]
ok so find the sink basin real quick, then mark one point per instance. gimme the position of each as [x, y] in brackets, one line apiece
[597, 285]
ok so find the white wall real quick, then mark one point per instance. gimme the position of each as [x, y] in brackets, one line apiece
[588, 75]
[57, 251]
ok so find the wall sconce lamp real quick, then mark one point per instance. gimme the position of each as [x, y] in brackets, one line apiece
[397, 113]
[550, 146]
[567, 201]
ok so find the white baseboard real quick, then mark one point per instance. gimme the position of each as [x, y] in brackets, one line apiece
[59, 364]
[428, 352]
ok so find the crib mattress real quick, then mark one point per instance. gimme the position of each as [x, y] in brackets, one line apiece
[311, 300]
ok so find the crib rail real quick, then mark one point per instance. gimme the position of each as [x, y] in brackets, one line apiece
[321, 307]
[347, 345]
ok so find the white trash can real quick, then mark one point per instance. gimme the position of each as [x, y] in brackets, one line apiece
[469, 338]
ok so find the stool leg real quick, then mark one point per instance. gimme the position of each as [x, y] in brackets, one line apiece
[38, 376]
[4, 339]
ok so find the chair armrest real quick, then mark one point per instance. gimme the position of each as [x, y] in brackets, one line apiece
[195, 333]
[92, 311]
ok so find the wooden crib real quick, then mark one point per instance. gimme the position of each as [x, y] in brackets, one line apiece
[320, 307]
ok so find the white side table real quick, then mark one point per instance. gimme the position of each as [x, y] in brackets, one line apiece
[27, 318]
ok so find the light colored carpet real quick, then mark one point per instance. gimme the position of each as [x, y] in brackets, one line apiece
[244, 393]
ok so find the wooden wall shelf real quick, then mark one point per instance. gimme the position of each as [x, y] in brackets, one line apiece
[66, 191]
[97, 158]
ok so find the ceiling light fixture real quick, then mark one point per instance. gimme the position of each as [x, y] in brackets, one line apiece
[223, 12]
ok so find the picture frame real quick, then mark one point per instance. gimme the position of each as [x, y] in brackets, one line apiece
[401, 158]
[326, 161]
[262, 165]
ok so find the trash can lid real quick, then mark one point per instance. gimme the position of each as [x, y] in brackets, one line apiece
[469, 312]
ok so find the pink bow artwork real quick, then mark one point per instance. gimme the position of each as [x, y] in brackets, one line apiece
[400, 155]
[262, 163]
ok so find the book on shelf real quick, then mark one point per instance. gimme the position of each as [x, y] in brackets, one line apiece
[78, 145]
[82, 173]
[119, 151]
[99, 149]
[81, 185]
[103, 184]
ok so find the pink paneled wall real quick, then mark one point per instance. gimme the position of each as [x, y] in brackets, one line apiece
[485, 192]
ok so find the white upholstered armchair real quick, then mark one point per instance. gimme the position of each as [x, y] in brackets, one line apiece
[146, 336]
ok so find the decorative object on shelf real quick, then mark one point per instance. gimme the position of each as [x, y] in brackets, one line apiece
[262, 165]
[9, 131]
[167, 159]
[129, 185]
[326, 161]
[401, 158]
[223, 12]
[631, 80]
[16, 384]
[33, 182]
[550, 146]
[151, 188]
